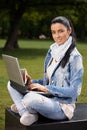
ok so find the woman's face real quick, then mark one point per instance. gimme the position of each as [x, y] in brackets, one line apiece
[60, 33]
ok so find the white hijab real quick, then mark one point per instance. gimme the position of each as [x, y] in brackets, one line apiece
[58, 51]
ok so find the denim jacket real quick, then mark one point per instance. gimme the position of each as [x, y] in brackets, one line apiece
[65, 83]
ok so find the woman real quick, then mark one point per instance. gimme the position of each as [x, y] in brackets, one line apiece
[63, 71]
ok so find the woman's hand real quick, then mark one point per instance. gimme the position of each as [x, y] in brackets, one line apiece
[28, 80]
[37, 87]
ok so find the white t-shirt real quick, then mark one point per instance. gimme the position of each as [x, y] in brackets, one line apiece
[51, 68]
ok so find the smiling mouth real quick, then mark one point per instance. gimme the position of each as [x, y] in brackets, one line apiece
[59, 40]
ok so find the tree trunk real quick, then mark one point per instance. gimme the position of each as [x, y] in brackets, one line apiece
[15, 17]
[11, 42]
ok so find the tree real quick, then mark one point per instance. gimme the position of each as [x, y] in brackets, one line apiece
[15, 11]
[81, 26]
[17, 8]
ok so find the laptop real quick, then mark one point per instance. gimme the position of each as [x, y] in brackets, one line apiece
[15, 75]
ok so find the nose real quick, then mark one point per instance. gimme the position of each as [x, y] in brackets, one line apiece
[57, 34]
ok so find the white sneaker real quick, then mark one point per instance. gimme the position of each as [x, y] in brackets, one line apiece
[28, 119]
[14, 108]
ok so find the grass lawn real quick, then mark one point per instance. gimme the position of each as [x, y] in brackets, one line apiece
[31, 56]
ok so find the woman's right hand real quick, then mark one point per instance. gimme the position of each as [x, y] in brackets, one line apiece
[28, 80]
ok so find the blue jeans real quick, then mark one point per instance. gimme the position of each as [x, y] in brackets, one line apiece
[36, 103]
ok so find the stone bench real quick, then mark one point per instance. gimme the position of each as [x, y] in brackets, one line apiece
[79, 121]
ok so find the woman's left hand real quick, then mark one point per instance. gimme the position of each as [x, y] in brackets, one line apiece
[37, 87]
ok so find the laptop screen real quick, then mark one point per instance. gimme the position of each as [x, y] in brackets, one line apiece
[13, 69]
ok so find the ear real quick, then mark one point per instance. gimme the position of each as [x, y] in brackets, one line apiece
[69, 30]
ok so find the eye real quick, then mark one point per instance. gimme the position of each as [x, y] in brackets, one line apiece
[60, 31]
[53, 32]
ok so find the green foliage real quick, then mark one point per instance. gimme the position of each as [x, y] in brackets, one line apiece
[37, 15]
[31, 56]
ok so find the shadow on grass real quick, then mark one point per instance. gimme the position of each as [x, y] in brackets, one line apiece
[24, 52]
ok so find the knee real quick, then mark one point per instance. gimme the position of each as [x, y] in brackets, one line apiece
[8, 86]
[32, 98]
